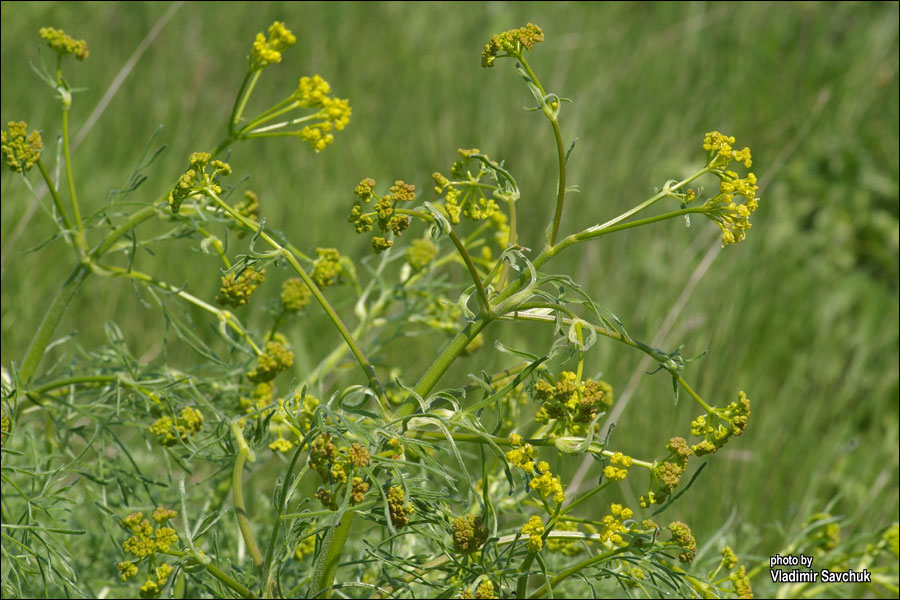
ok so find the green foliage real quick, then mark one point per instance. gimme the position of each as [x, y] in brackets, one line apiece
[416, 458]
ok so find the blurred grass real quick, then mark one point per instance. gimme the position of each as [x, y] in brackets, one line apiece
[803, 315]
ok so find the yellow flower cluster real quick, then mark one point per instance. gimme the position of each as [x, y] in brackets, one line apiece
[334, 113]
[667, 474]
[65, 44]
[196, 179]
[465, 195]
[399, 508]
[327, 267]
[547, 483]
[618, 469]
[236, 291]
[169, 431]
[732, 217]
[144, 542]
[613, 525]
[334, 466]
[682, 537]
[573, 403]
[265, 52]
[720, 153]
[420, 252]
[522, 455]
[469, 535]
[270, 363]
[511, 42]
[541, 478]
[485, 590]
[719, 426]
[295, 294]
[385, 210]
[534, 529]
[741, 583]
[729, 558]
[153, 586]
[21, 150]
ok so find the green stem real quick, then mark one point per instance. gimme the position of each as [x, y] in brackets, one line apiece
[223, 315]
[453, 349]
[130, 223]
[598, 231]
[473, 271]
[560, 152]
[461, 248]
[289, 256]
[286, 488]
[512, 241]
[524, 568]
[243, 96]
[56, 199]
[693, 394]
[70, 178]
[217, 244]
[285, 106]
[237, 489]
[67, 292]
[51, 319]
[542, 591]
[580, 370]
[332, 546]
[216, 572]
[477, 439]
[667, 191]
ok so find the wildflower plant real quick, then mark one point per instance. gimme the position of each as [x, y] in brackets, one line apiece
[390, 482]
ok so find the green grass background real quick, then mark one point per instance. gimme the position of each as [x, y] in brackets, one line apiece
[803, 315]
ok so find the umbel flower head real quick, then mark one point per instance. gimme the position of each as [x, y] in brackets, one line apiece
[333, 113]
[511, 43]
[145, 543]
[267, 51]
[398, 507]
[295, 294]
[270, 363]
[21, 150]
[732, 216]
[385, 211]
[196, 179]
[169, 431]
[65, 44]
[236, 291]
[469, 534]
